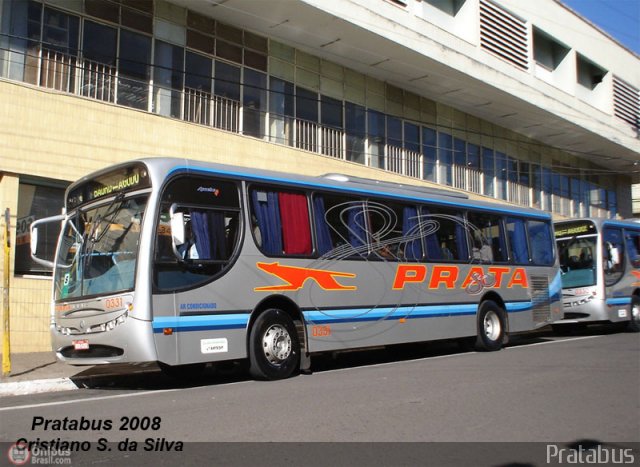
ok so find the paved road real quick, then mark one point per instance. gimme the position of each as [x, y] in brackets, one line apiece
[540, 389]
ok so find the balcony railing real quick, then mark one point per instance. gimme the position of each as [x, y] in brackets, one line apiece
[197, 106]
[306, 135]
[98, 81]
[561, 205]
[226, 113]
[58, 71]
[519, 194]
[332, 141]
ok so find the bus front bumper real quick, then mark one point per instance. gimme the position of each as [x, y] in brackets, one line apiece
[592, 310]
[127, 343]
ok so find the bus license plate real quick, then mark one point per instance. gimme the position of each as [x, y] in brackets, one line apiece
[81, 345]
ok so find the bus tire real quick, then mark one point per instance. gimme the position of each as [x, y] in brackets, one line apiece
[491, 326]
[634, 319]
[274, 349]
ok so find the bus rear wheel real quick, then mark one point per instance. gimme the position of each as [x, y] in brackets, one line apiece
[491, 326]
[634, 320]
[274, 348]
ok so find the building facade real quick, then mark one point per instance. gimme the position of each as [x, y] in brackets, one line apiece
[530, 106]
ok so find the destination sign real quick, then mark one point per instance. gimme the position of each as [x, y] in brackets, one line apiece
[575, 228]
[124, 179]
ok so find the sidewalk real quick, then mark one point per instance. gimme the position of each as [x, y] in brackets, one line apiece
[38, 372]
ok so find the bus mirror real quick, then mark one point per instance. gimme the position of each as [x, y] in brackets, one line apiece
[615, 256]
[34, 241]
[177, 228]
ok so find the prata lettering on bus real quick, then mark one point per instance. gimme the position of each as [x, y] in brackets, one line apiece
[437, 277]
[449, 277]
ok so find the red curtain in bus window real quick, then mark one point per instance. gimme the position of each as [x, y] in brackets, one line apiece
[296, 233]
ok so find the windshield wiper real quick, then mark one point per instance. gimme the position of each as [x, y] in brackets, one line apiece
[93, 237]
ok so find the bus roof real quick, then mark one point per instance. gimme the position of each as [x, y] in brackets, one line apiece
[601, 222]
[162, 167]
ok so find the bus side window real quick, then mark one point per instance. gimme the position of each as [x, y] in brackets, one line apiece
[633, 248]
[613, 255]
[281, 222]
[519, 249]
[446, 239]
[395, 231]
[541, 242]
[341, 228]
[486, 237]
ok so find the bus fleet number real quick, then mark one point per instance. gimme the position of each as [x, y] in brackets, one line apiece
[321, 331]
[113, 302]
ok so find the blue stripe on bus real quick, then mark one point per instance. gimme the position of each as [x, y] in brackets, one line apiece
[407, 312]
[239, 321]
[308, 184]
[630, 225]
[200, 323]
[619, 301]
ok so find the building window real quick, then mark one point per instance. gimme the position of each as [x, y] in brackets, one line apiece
[37, 199]
[412, 149]
[134, 70]
[59, 50]
[501, 175]
[546, 51]
[332, 124]
[376, 130]
[355, 126]
[589, 74]
[307, 119]
[430, 154]
[255, 103]
[445, 158]
[99, 65]
[227, 96]
[612, 203]
[488, 171]
[167, 79]
[197, 88]
[394, 145]
[281, 111]
[450, 7]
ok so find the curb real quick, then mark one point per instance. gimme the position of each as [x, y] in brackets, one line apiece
[21, 388]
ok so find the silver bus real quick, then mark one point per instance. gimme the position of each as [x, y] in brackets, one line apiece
[188, 263]
[600, 263]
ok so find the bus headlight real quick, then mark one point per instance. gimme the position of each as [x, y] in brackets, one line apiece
[103, 327]
[582, 301]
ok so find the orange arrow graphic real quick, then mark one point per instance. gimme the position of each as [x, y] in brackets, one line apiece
[295, 277]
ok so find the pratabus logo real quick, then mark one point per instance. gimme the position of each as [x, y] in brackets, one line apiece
[294, 278]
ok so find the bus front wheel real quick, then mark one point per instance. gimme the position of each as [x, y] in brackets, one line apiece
[491, 326]
[274, 349]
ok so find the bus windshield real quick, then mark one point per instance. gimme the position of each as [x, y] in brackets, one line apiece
[577, 261]
[98, 249]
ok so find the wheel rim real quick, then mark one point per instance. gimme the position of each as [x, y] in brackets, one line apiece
[277, 344]
[492, 326]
